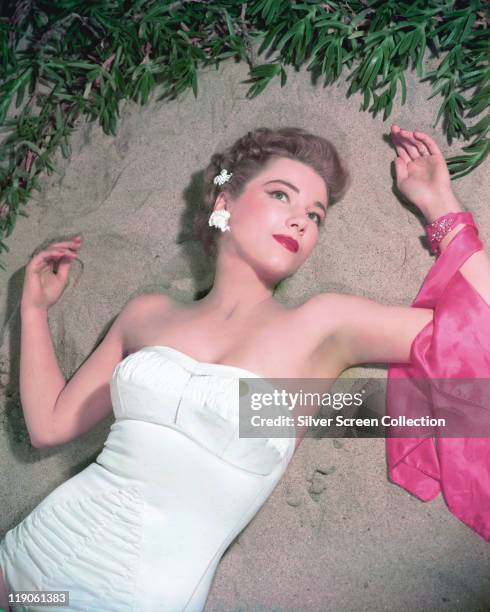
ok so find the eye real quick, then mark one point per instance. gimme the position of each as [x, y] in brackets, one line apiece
[283, 193]
[319, 221]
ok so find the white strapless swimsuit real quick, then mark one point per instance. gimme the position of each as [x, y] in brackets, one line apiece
[144, 527]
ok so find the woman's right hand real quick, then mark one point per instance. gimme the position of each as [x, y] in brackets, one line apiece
[42, 286]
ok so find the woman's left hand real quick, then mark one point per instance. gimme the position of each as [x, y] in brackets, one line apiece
[422, 175]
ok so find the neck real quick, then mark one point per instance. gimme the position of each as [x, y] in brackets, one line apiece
[237, 290]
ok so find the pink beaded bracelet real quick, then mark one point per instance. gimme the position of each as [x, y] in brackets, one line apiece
[442, 226]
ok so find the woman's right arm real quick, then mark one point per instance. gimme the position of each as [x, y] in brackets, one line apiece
[57, 412]
[41, 380]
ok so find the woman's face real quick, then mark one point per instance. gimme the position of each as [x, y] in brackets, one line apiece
[287, 198]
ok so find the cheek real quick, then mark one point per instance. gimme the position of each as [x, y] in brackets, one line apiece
[256, 213]
[313, 239]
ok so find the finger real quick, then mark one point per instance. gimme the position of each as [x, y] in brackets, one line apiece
[430, 144]
[63, 269]
[53, 262]
[40, 261]
[60, 250]
[74, 242]
[60, 254]
[402, 153]
[405, 139]
[419, 144]
[62, 245]
[410, 144]
[395, 137]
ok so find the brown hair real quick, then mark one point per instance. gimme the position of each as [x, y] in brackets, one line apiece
[247, 157]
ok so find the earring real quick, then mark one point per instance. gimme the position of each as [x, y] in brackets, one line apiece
[219, 219]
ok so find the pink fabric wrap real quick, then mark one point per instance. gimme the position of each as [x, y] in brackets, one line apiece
[455, 344]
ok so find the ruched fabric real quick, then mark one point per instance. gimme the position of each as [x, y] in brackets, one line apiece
[143, 527]
[96, 537]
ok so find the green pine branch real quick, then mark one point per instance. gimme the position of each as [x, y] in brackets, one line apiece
[65, 60]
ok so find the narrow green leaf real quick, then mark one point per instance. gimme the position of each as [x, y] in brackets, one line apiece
[20, 95]
[373, 68]
[284, 77]
[267, 39]
[84, 65]
[482, 126]
[58, 119]
[405, 43]
[338, 46]
[265, 70]
[367, 99]
[401, 77]
[470, 20]
[31, 146]
[194, 81]
[331, 23]
[421, 53]
[229, 24]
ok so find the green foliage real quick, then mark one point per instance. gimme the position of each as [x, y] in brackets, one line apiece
[61, 60]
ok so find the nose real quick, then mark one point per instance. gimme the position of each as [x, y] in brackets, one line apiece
[299, 221]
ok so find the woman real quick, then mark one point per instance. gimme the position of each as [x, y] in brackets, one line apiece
[144, 527]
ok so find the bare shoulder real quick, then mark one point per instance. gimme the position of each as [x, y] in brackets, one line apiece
[335, 309]
[327, 299]
[144, 312]
[327, 310]
[146, 304]
[147, 301]
[321, 318]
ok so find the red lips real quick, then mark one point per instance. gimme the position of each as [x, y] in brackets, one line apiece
[287, 241]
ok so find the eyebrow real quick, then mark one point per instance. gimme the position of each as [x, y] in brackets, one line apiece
[322, 206]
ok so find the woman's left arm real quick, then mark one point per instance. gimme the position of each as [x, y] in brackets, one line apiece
[422, 176]
[369, 332]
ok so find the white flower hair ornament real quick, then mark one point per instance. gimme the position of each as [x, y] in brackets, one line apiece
[219, 218]
[223, 177]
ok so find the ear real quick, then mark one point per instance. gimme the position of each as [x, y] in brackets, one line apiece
[221, 202]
